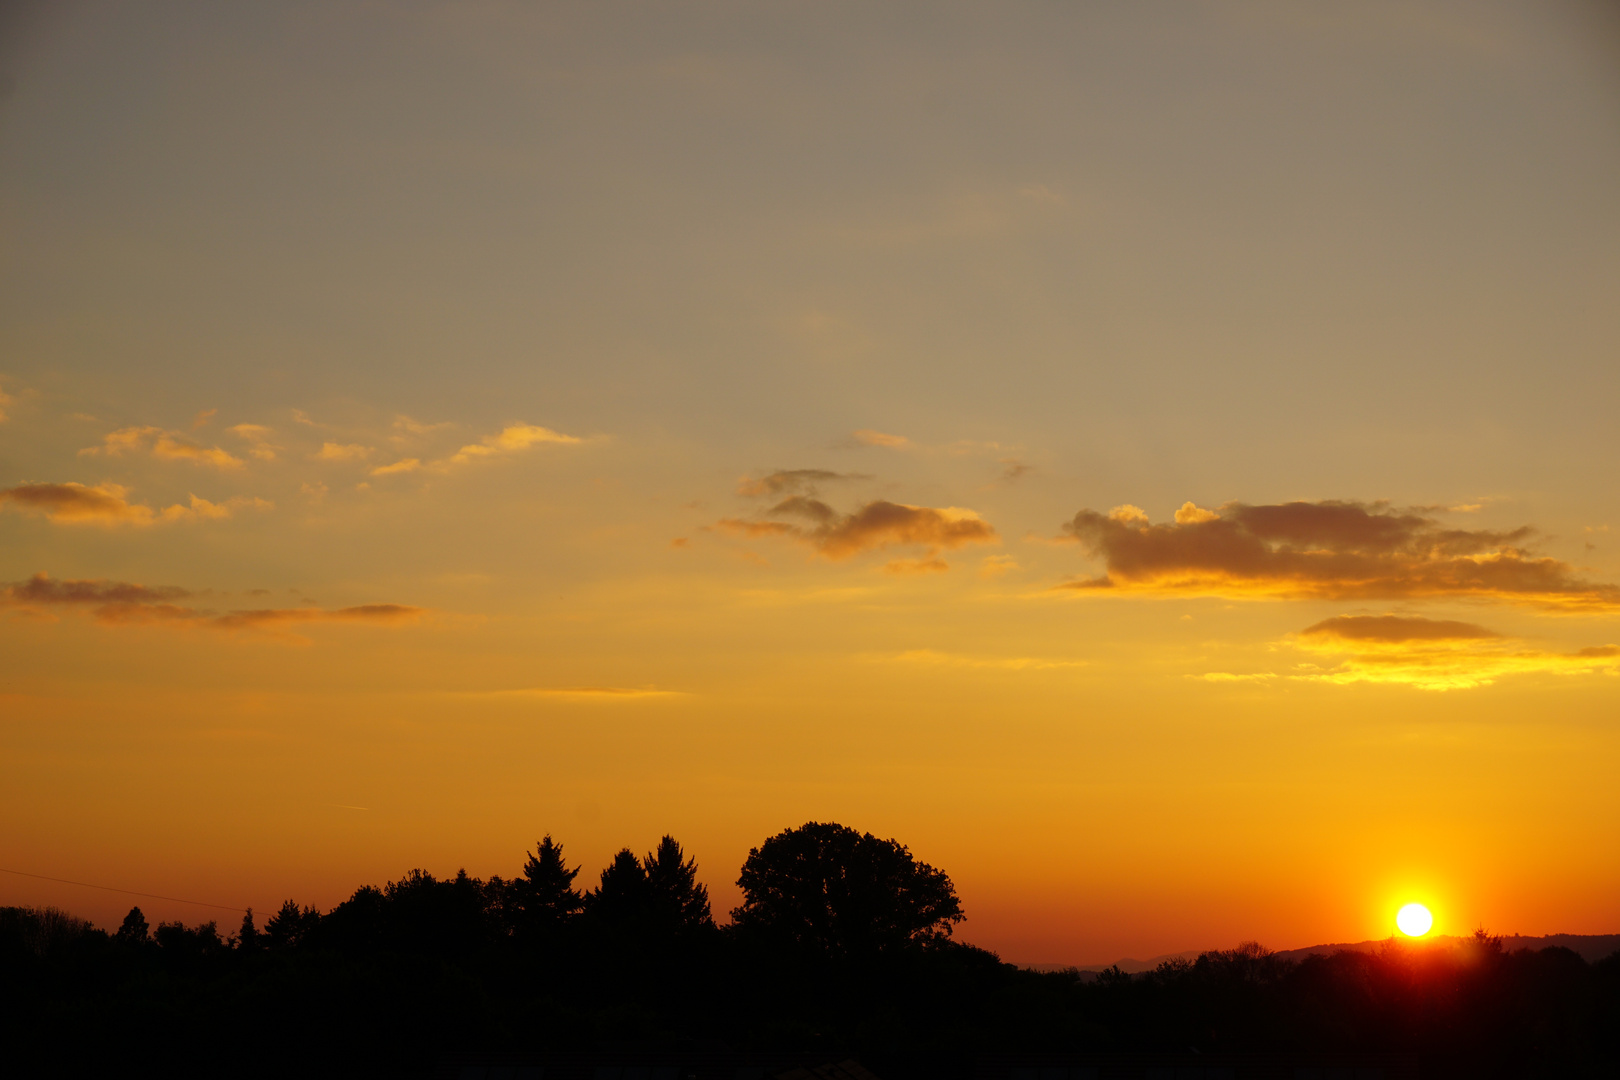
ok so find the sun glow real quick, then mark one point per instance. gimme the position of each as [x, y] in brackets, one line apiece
[1414, 920]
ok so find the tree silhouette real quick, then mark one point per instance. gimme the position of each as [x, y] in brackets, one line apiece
[134, 927]
[676, 899]
[832, 891]
[248, 937]
[621, 898]
[544, 896]
[291, 925]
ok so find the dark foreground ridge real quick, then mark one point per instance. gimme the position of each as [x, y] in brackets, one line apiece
[841, 952]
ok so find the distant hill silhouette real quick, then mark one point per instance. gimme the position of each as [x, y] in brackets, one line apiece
[1590, 947]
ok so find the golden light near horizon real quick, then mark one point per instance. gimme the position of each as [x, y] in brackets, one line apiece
[1414, 920]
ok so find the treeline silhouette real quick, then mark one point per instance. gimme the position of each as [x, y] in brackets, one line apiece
[842, 947]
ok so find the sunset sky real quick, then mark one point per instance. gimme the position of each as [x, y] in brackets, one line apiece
[1158, 461]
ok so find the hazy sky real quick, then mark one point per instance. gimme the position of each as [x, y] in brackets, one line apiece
[1157, 460]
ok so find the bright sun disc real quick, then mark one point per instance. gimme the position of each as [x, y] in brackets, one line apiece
[1414, 920]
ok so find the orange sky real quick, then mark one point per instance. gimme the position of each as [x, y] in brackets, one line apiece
[1158, 466]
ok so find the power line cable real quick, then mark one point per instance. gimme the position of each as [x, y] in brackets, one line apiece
[130, 892]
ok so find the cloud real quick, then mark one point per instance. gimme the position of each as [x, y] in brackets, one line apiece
[929, 564]
[258, 438]
[43, 589]
[412, 426]
[510, 440]
[406, 465]
[784, 481]
[5, 401]
[122, 603]
[1422, 654]
[105, 504]
[876, 525]
[1438, 657]
[77, 504]
[331, 451]
[868, 437]
[202, 418]
[1324, 550]
[163, 445]
[1392, 629]
[1013, 470]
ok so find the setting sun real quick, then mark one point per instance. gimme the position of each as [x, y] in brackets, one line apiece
[1414, 920]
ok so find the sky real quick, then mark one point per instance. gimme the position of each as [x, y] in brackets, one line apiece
[1157, 461]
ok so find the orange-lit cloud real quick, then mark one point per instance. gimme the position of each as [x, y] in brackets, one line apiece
[77, 504]
[163, 445]
[403, 466]
[786, 481]
[5, 401]
[868, 437]
[932, 658]
[411, 426]
[876, 525]
[122, 603]
[331, 451]
[258, 438]
[1324, 550]
[1394, 629]
[202, 418]
[511, 439]
[1424, 654]
[105, 504]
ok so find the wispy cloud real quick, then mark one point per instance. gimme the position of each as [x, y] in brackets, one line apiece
[163, 445]
[785, 481]
[6, 400]
[405, 465]
[510, 440]
[258, 438]
[874, 526]
[107, 505]
[77, 504]
[122, 603]
[332, 451]
[868, 437]
[1420, 653]
[1325, 550]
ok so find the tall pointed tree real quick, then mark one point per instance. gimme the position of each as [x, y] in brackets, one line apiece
[545, 894]
[676, 899]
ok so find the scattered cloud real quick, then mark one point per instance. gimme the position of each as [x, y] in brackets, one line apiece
[929, 564]
[868, 437]
[258, 438]
[122, 603]
[77, 504]
[331, 451]
[1420, 653]
[787, 481]
[1393, 629]
[5, 401]
[202, 418]
[680, 542]
[405, 465]
[107, 505]
[163, 445]
[1324, 550]
[510, 440]
[408, 425]
[1013, 470]
[874, 526]
[314, 492]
